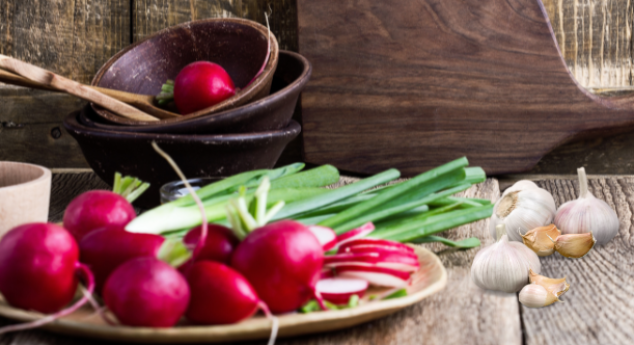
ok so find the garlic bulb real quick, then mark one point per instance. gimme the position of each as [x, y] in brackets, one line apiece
[540, 239]
[587, 214]
[536, 296]
[520, 185]
[524, 207]
[504, 265]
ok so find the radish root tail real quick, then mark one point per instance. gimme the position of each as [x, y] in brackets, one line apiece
[90, 282]
[275, 322]
[201, 207]
[268, 50]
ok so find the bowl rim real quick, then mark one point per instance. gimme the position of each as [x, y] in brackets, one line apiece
[45, 175]
[73, 126]
[252, 88]
[241, 111]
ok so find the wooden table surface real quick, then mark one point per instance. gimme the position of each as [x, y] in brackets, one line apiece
[596, 310]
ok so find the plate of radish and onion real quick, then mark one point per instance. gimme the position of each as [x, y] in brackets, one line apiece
[262, 271]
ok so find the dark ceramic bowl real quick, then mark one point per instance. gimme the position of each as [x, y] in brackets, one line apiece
[272, 112]
[197, 155]
[238, 45]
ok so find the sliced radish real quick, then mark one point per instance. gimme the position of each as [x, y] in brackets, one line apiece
[378, 276]
[383, 258]
[376, 248]
[326, 236]
[354, 234]
[326, 272]
[339, 290]
[364, 242]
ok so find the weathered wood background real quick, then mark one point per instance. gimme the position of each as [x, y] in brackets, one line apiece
[74, 38]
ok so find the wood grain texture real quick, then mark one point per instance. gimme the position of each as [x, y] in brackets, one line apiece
[153, 15]
[597, 309]
[595, 38]
[415, 84]
[71, 38]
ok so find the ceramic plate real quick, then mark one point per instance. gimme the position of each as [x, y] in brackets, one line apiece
[430, 279]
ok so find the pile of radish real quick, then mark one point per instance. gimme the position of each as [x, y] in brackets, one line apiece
[218, 272]
[277, 267]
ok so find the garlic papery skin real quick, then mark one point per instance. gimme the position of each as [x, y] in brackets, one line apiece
[540, 239]
[520, 185]
[536, 296]
[574, 246]
[503, 266]
[558, 286]
[587, 214]
[523, 209]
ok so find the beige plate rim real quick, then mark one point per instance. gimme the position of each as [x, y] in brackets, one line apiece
[293, 324]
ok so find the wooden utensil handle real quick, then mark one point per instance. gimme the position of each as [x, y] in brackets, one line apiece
[52, 80]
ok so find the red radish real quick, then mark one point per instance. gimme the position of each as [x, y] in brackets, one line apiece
[361, 244]
[200, 85]
[146, 292]
[379, 276]
[381, 258]
[283, 262]
[339, 290]
[38, 271]
[354, 234]
[95, 209]
[104, 249]
[326, 236]
[219, 294]
[219, 244]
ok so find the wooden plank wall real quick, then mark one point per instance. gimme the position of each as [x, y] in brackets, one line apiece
[74, 38]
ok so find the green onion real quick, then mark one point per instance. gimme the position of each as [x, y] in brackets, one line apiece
[429, 181]
[470, 242]
[391, 209]
[335, 195]
[316, 177]
[437, 223]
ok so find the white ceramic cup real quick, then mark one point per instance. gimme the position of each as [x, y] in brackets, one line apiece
[25, 193]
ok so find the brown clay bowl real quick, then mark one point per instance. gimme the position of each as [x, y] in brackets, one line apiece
[238, 45]
[269, 113]
[197, 155]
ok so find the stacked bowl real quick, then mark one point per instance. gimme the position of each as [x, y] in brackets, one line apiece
[250, 132]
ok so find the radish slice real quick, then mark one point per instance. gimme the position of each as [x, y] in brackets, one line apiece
[326, 236]
[339, 290]
[354, 234]
[378, 276]
[376, 248]
[326, 272]
[365, 242]
[381, 258]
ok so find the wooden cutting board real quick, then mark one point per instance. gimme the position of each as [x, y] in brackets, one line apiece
[414, 84]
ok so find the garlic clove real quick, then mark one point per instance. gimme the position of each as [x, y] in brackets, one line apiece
[558, 286]
[536, 296]
[524, 209]
[558, 289]
[574, 245]
[587, 214]
[539, 239]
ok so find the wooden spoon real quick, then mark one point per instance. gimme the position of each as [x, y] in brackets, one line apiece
[52, 81]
